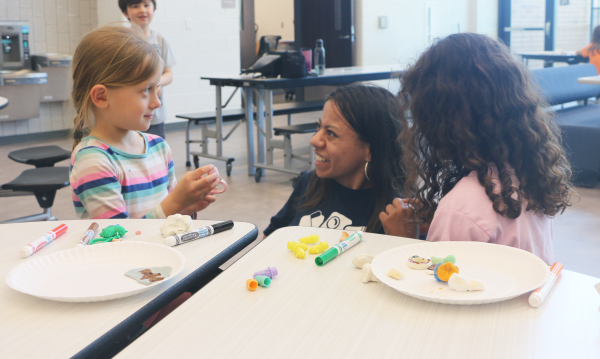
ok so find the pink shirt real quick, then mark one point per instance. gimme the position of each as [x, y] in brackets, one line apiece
[466, 214]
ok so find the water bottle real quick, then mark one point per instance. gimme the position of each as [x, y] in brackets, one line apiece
[320, 58]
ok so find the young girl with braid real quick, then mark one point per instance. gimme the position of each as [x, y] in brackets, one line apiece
[117, 171]
[484, 160]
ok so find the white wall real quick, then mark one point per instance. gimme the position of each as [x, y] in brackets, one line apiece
[274, 17]
[406, 35]
[573, 25]
[210, 47]
[56, 26]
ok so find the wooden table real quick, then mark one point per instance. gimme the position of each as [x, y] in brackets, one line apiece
[591, 80]
[327, 312]
[37, 328]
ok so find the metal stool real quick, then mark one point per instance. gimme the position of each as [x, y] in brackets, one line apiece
[43, 184]
[42, 156]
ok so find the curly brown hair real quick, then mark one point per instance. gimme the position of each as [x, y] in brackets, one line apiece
[474, 107]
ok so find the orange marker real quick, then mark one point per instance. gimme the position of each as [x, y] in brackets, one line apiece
[252, 284]
[537, 297]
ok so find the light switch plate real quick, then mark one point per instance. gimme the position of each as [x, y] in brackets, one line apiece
[228, 4]
[382, 22]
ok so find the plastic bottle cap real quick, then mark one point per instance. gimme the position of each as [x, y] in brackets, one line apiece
[327, 256]
[169, 241]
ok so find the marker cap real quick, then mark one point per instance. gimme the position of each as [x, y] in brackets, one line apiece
[327, 256]
[251, 284]
[170, 241]
[26, 251]
[535, 300]
[263, 281]
[223, 226]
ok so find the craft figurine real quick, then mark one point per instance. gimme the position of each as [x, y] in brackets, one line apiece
[417, 262]
[443, 271]
[318, 248]
[362, 259]
[313, 238]
[110, 233]
[394, 273]
[367, 274]
[438, 260]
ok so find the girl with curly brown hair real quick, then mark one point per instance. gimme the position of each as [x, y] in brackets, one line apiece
[484, 159]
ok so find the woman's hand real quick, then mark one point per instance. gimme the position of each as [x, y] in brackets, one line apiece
[398, 219]
[192, 192]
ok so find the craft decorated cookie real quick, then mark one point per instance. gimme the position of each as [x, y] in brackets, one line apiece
[430, 269]
[417, 262]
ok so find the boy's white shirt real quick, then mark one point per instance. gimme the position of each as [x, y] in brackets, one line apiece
[166, 54]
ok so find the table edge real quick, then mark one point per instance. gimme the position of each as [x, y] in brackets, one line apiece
[98, 346]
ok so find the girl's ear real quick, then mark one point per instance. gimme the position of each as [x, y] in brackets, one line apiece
[127, 16]
[368, 153]
[99, 96]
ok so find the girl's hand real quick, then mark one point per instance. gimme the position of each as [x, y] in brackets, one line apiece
[197, 207]
[398, 219]
[191, 190]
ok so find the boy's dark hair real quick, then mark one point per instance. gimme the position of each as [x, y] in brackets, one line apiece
[372, 112]
[123, 4]
[473, 108]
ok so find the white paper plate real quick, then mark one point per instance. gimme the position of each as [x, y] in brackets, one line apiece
[92, 273]
[506, 272]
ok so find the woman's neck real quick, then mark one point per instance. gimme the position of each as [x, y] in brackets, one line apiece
[359, 182]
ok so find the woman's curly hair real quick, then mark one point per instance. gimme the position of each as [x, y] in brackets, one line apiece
[474, 107]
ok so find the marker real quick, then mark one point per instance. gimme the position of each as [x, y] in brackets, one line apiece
[181, 238]
[537, 297]
[88, 235]
[41, 242]
[335, 251]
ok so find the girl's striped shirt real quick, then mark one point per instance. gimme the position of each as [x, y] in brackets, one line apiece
[109, 183]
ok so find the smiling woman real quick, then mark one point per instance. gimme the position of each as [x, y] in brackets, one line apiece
[357, 168]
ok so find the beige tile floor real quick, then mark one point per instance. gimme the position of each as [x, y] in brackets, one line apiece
[576, 236]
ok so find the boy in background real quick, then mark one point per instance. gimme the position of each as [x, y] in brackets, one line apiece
[141, 13]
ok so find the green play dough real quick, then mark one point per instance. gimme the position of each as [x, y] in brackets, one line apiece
[109, 233]
[438, 260]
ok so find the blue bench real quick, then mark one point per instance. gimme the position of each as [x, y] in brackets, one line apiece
[580, 124]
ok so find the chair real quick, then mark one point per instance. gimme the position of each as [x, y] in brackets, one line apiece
[42, 156]
[43, 184]
[42, 181]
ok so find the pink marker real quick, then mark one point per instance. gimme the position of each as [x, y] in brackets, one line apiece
[41, 242]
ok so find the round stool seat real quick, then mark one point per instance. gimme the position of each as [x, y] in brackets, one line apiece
[42, 156]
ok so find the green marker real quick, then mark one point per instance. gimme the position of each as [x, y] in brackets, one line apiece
[335, 251]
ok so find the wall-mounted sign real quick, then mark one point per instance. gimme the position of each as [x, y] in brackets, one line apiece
[228, 4]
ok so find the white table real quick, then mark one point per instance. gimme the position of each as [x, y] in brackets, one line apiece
[591, 80]
[327, 312]
[39, 328]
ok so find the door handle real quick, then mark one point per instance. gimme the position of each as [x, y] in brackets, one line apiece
[547, 28]
[345, 37]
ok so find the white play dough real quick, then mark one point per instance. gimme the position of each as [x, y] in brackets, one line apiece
[176, 224]
[460, 283]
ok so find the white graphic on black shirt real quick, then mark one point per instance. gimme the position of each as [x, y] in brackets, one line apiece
[335, 221]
